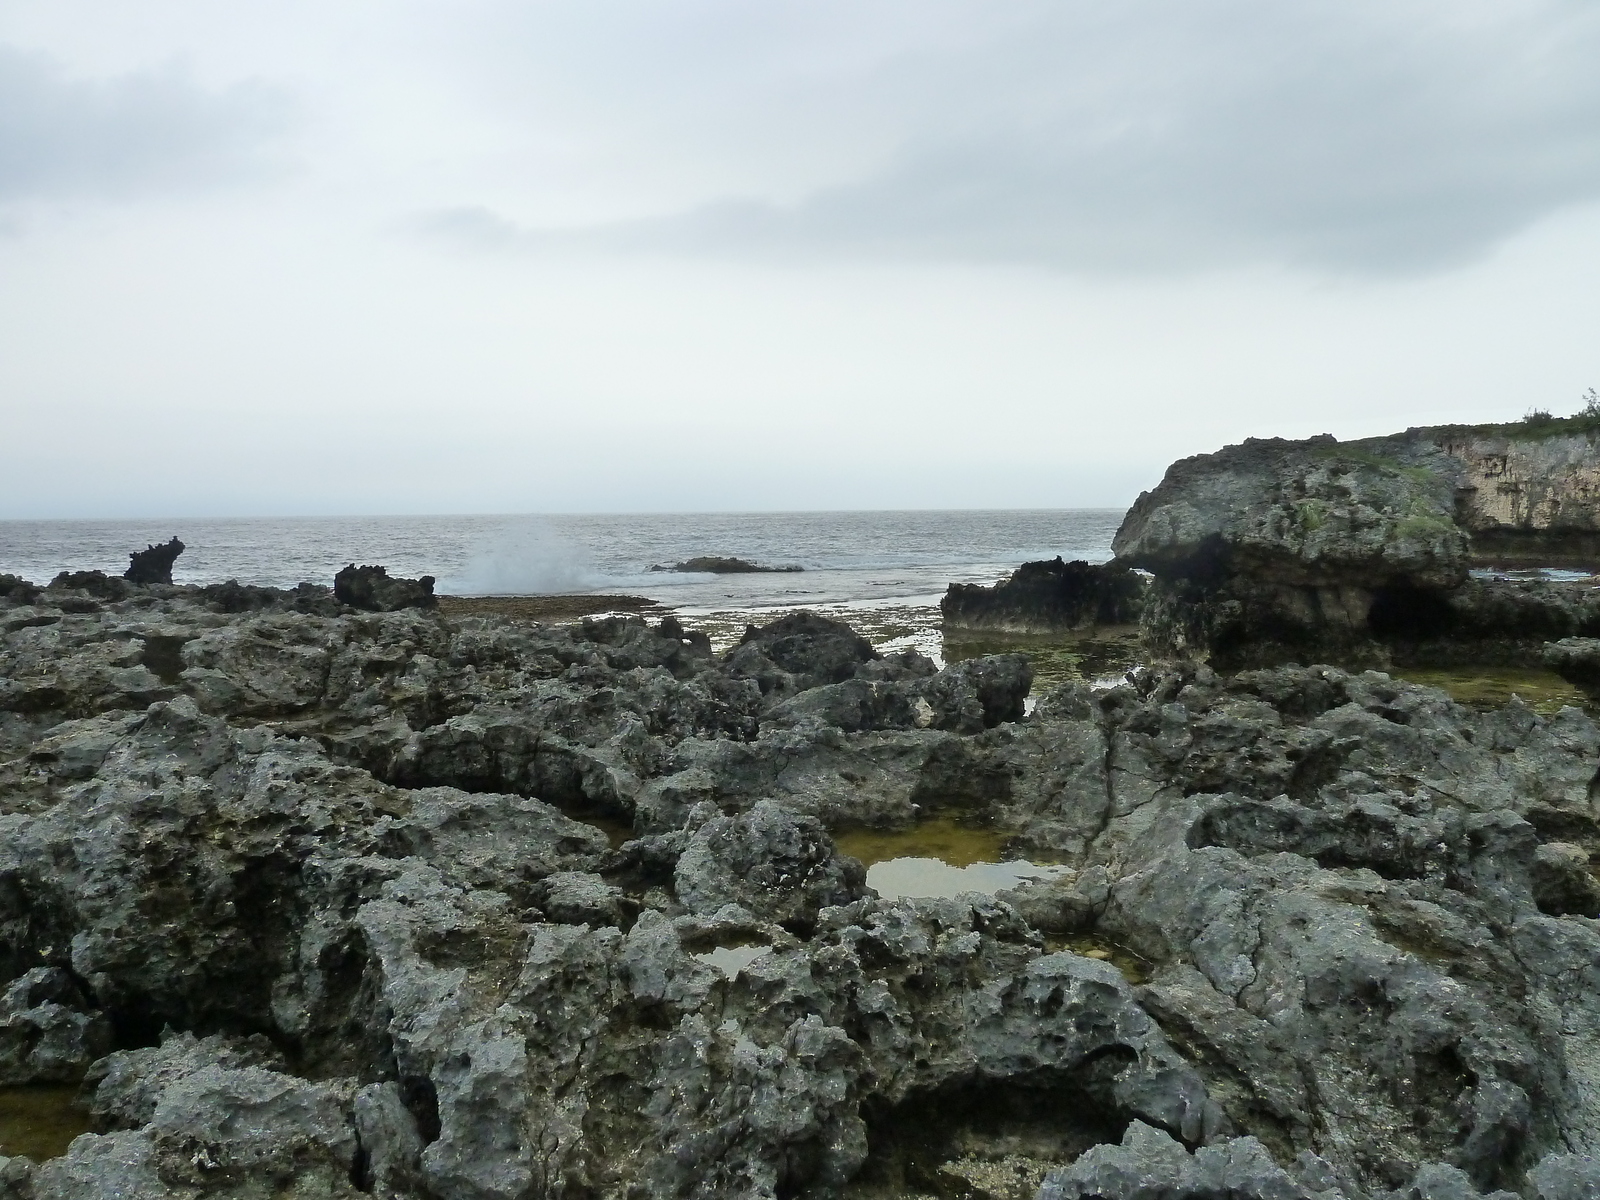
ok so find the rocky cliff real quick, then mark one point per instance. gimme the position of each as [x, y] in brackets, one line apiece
[1274, 550]
[314, 902]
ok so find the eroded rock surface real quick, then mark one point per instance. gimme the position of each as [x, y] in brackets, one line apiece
[326, 903]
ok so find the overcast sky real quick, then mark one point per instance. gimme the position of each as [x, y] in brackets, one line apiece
[603, 255]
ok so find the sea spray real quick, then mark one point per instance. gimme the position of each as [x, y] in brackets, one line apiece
[524, 556]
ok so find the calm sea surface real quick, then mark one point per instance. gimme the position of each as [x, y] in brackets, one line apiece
[848, 557]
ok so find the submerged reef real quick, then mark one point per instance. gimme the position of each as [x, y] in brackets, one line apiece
[713, 564]
[319, 901]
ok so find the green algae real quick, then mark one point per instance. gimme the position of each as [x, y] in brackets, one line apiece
[1102, 654]
[949, 841]
[40, 1120]
[939, 857]
[1349, 453]
[1134, 967]
[1489, 688]
[1312, 515]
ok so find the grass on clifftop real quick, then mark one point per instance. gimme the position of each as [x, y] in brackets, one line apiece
[1540, 424]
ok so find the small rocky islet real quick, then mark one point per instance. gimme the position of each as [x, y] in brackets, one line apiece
[327, 892]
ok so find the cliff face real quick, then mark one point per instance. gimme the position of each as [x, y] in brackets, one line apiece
[1279, 549]
[1533, 499]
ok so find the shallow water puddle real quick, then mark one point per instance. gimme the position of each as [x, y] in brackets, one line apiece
[40, 1121]
[616, 829]
[730, 960]
[1099, 657]
[924, 878]
[1134, 968]
[906, 623]
[1486, 688]
[947, 840]
[938, 858]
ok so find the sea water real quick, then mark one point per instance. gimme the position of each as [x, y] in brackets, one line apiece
[846, 557]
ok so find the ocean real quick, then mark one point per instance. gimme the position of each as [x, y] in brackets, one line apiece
[884, 570]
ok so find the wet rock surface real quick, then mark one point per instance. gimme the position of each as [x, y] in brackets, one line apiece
[325, 902]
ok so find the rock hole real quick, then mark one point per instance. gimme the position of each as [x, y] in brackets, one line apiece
[352, 1037]
[421, 1099]
[929, 1142]
[163, 656]
[361, 1176]
[1409, 614]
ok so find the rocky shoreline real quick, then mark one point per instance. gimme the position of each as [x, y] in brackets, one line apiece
[331, 892]
[317, 901]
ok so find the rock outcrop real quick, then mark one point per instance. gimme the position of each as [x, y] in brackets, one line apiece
[1047, 597]
[372, 589]
[318, 902]
[1321, 550]
[1577, 660]
[713, 564]
[154, 563]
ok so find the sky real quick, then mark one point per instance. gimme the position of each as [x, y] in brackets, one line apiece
[699, 255]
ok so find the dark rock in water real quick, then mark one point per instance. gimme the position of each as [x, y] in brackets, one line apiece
[1047, 597]
[153, 564]
[715, 565]
[49, 1032]
[980, 693]
[1563, 881]
[372, 589]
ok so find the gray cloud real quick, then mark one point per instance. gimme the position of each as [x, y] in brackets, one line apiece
[1363, 138]
[139, 132]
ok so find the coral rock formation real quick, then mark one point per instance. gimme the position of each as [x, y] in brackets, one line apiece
[319, 902]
